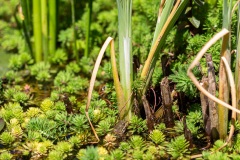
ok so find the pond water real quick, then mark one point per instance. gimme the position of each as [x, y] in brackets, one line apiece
[4, 58]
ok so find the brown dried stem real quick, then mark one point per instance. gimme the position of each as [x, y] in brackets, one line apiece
[204, 91]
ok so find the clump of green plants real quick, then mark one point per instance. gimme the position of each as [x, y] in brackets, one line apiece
[178, 148]
[67, 82]
[43, 111]
[40, 71]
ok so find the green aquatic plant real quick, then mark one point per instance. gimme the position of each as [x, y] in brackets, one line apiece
[60, 106]
[157, 136]
[59, 57]
[86, 64]
[12, 110]
[34, 136]
[12, 41]
[7, 138]
[46, 105]
[75, 141]
[79, 123]
[21, 97]
[218, 144]
[117, 154]
[47, 128]
[194, 121]
[41, 71]
[218, 155]
[73, 67]
[136, 142]
[61, 150]
[160, 126]
[38, 149]
[16, 132]
[13, 76]
[32, 112]
[137, 125]
[102, 152]
[16, 95]
[63, 147]
[6, 156]
[63, 122]
[8, 94]
[178, 148]
[183, 82]
[90, 153]
[105, 126]
[138, 153]
[55, 155]
[18, 62]
[67, 82]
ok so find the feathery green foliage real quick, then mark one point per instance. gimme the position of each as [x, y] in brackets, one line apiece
[157, 136]
[178, 148]
[184, 83]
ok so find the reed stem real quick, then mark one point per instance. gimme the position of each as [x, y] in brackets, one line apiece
[37, 30]
[52, 26]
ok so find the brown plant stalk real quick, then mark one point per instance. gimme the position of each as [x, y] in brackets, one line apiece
[222, 33]
[120, 97]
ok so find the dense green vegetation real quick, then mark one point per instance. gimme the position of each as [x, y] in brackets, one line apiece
[53, 47]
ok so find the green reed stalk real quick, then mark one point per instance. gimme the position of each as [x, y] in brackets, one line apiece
[162, 29]
[89, 14]
[26, 5]
[74, 30]
[224, 88]
[37, 30]
[125, 52]
[162, 17]
[237, 69]
[52, 26]
[44, 20]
